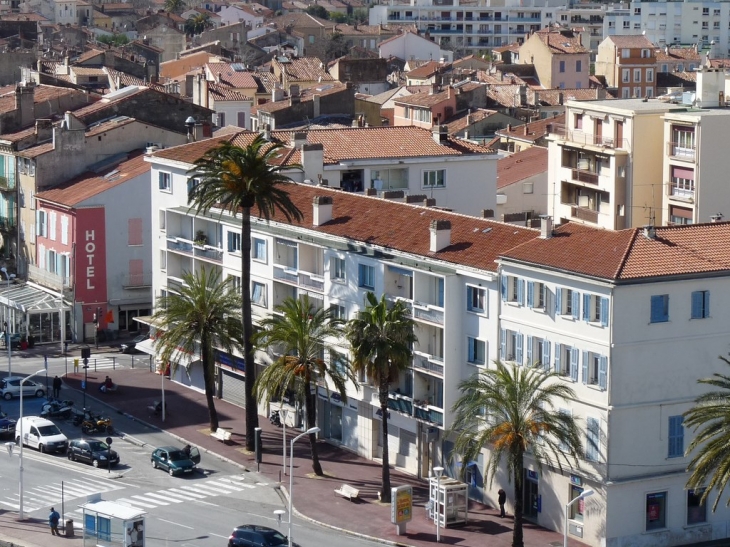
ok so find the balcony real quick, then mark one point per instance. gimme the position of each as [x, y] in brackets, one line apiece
[311, 281]
[206, 252]
[137, 281]
[681, 151]
[579, 175]
[8, 224]
[400, 403]
[433, 365]
[7, 183]
[282, 273]
[581, 213]
[180, 245]
[425, 312]
[679, 191]
[422, 411]
[578, 136]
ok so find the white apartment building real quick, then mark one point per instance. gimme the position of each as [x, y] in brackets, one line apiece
[470, 27]
[687, 22]
[631, 329]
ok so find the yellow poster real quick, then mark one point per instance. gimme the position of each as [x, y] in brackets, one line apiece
[401, 505]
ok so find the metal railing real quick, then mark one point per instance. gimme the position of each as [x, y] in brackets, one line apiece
[428, 366]
[428, 313]
[578, 136]
[281, 274]
[681, 151]
[580, 175]
[582, 213]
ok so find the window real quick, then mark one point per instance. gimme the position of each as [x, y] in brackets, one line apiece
[192, 185]
[579, 66]
[625, 75]
[234, 242]
[337, 268]
[235, 283]
[645, 53]
[64, 230]
[164, 179]
[538, 352]
[626, 93]
[564, 412]
[366, 276]
[511, 344]
[512, 289]
[637, 92]
[566, 361]
[536, 295]
[595, 309]
[593, 439]
[258, 249]
[665, 68]
[676, 437]
[41, 223]
[649, 74]
[163, 259]
[595, 369]
[656, 511]
[163, 218]
[562, 66]
[338, 312]
[221, 119]
[52, 226]
[696, 511]
[700, 304]
[660, 308]
[476, 298]
[258, 294]
[567, 302]
[577, 510]
[578, 121]
[134, 232]
[435, 178]
[637, 75]
[528, 187]
[627, 24]
[477, 350]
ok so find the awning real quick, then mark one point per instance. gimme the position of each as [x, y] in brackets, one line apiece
[29, 297]
[147, 346]
[179, 357]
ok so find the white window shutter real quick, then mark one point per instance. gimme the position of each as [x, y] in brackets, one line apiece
[52, 225]
[64, 230]
[41, 256]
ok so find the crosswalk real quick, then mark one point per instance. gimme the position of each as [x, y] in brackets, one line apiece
[112, 363]
[45, 496]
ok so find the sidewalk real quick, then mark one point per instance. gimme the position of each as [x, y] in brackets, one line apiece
[314, 499]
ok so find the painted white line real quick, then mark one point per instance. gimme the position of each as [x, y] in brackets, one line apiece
[218, 535]
[185, 495]
[175, 523]
[144, 498]
[136, 504]
[207, 503]
[203, 488]
[164, 497]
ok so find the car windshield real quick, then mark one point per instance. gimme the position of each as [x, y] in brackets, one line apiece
[177, 455]
[274, 538]
[98, 445]
[48, 430]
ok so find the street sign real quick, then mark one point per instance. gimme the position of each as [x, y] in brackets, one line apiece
[45, 362]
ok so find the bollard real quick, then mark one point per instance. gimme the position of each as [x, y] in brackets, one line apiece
[114, 363]
[76, 365]
[69, 528]
[94, 365]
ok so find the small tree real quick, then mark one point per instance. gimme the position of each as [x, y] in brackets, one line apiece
[317, 11]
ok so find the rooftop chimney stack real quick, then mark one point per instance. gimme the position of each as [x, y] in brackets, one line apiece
[649, 232]
[546, 227]
[440, 235]
[440, 134]
[322, 210]
[717, 217]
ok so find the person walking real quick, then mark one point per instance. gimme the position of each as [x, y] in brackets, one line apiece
[53, 519]
[501, 499]
[57, 387]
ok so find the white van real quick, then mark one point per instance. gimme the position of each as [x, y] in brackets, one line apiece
[40, 433]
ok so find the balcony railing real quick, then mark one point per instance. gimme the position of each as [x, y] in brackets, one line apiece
[282, 274]
[179, 245]
[208, 253]
[681, 151]
[581, 213]
[137, 281]
[680, 191]
[428, 414]
[7, 183]
[400, 403]
[580, 175]
[8, 224]
[578, 136]
[311, 281]
[48, 279]
[421, 363]
[428, 313]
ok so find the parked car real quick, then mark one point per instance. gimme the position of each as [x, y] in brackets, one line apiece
[131, 346]
[174, 460]
[7, 427]
[40, 433]
[10, 387]
[15, 340]
[92, 451]
[253, 535]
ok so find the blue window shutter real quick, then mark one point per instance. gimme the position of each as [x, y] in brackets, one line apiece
[697, 301]
[576, 305]
[604, 312]
[603, 372]
[505, 279]
[707, 303]
[586, 307]
[502, 345]
[528, 351]
[656, 309]
[676, 437]
[584, 373]
[546, 355]
[520, 291]
[361, 275]
[530, 293]
[557, 358]
[469, 298]
[558, 300]
[519, 339]
[441, 292]
[574, 364]
[470, 349]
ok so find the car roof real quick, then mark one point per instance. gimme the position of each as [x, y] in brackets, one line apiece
[38, 420]
[254, 528]
[168, 448]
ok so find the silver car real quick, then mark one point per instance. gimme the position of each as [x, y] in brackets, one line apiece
[10, 387]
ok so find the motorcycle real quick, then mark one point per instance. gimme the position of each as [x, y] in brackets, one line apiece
[57, 409]
[91, 424]
[275, 418]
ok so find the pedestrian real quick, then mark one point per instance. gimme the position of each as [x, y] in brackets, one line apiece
[501, 499]
[53, 519]
[57, 387]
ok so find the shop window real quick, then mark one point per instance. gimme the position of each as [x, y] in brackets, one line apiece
[656, 511]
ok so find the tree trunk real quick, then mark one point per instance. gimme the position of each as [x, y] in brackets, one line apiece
[209, 377]
[252, 415]
[383, 396]
[311, 410]
[519, 473]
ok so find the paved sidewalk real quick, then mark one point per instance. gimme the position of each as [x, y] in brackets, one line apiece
[314, 498]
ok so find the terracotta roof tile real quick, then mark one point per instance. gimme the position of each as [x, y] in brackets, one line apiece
[631, 41]
[521, 165]
[676, 54]
[561, 41]
[306, 95]
[465, 119]
[426, 70]
[531, 131]
[305, 69]
[88, 55]
[226, 93]
[238, 79]
[87, 71]
[42, 94]
[265, 81]
[424, 99]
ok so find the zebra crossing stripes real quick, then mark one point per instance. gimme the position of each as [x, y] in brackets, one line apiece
[47, 495]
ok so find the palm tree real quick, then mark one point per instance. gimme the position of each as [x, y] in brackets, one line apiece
[381, 337]
[711, 416]
[302, 333]
[237, 180]
[512, 410]
[196, 24]
[204, 315]
[174, 6]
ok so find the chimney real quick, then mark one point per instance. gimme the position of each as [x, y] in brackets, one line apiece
[560, 98]
[198, 133]
[294, 90]
[440, 134]
[716, 218]
[525, 130]
[298, 138]
[649, 232]
[277, 94]
[25, 104]
[315, 106]
[218, 78]
[509, 127]
[267, 132]
[312, 160]
[440, 235]
[43, 130]
[546, 227]
[322, 210]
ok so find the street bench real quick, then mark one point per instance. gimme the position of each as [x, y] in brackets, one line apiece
[222, 435]
[347, 491]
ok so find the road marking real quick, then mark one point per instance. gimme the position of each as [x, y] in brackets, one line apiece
[164, 497]
[204, 489]
[175, 523]
[207, 503]
[218, 535]
[180, 494]
[136, 503]
[144, 498]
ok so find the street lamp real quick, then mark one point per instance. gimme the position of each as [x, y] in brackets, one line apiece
[20, 424]
[7, 328]
[309, 431]
[581, 496]
[438, 471]
[283, 413]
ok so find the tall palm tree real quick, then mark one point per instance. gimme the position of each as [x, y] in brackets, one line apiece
[174, 6]
[302, 333]
[512, 410]
[196, 24]
[381, 337]
[711, 417]
[203, 316]
[237, 180]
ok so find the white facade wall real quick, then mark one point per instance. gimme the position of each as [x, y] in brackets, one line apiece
[231, 14]
[232, 111]
[409, 46]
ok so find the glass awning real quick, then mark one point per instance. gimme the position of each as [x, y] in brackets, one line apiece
[29, 298]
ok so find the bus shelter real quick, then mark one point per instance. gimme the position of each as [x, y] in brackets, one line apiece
[449, 502]
[111, 524]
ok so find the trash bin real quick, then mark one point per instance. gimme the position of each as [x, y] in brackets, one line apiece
[69, 528]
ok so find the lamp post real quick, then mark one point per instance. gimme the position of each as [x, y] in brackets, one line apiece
[291, 472]
[20, 425]
[581, 496]
[6, 325]
[438, 471]
[283, 413]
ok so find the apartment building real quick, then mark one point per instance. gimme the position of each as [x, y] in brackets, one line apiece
[628, 63]
[559, 57]
[596, 175]
[470, 27]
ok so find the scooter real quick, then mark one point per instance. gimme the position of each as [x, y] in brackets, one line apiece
[57, 409]
[275, 418]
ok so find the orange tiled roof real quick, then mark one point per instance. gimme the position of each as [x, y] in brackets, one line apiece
[305, 69]
[226, 93]
[238, 79]
[631, 41]
[561, 41]
[520, 165]
[424, 99]
[465, 119]
[88, 55]
[676, 54]
[426, 70]
[531, 131]
[306, 95]
[42, 93]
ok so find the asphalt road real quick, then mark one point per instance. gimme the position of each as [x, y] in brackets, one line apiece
[197, 510]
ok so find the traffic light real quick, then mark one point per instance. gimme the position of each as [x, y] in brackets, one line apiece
[95, 320]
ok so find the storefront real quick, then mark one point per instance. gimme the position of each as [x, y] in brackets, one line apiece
[338, 419]
[32, 310]
[402, 439]
[232, 378]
